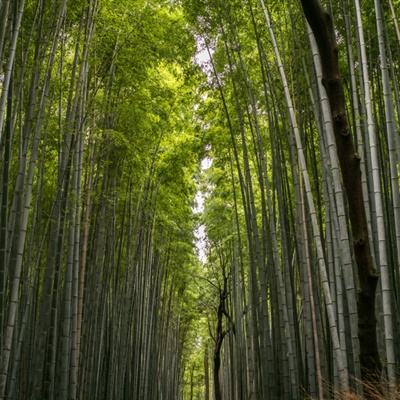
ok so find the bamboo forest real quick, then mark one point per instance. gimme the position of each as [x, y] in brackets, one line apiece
[199, 199]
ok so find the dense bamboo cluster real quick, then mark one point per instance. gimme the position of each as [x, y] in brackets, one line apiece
[283, 116]
[93, 259]
[304, 257]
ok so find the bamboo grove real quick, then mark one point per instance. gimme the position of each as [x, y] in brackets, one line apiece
[302, 208]
[117, 117]
[96, 230]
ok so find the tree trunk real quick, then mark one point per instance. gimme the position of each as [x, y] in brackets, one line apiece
[322, 27]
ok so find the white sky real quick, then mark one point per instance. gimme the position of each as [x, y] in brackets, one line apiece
[202, 59]
[200, 232]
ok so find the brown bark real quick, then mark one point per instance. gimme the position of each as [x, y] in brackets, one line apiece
[322, 27]
[217, 349]
[220, 335]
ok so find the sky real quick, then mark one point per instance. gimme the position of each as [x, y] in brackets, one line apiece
[202, 59]
[200, 232]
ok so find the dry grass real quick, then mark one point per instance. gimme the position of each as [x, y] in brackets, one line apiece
[371, 392]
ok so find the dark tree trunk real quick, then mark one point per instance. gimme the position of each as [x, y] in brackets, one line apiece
[217, 357]
[322, 27]
[219, 337]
